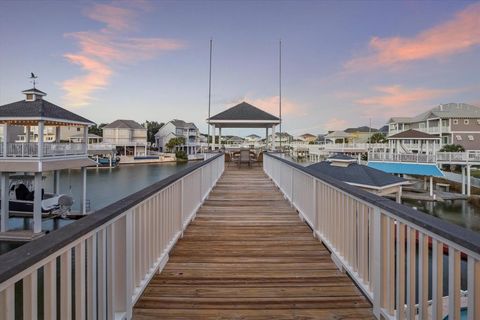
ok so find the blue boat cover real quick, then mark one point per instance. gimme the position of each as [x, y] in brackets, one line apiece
[423, 169]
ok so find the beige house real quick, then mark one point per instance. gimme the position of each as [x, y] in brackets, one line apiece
[128, 136]
[453, 123]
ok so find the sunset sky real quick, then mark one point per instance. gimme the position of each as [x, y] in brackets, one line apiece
[344, 62]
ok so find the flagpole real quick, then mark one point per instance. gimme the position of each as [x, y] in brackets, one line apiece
[280, 89]
[209, 93]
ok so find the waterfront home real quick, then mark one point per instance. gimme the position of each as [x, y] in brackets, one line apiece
[92, 138]
[413, 141]
[28, 194]
[360, 134]
[306, 137]
[129, 137]
[452, 123]
[337, 137]
[233, 140]
[179, 128]
[284, 138]
[346, 169]
[253, 138]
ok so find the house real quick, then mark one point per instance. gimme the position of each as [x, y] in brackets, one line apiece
[232, 140]
[307, 137]
[283, 138]
[179, 128]
[360, 134]
[452, 123]
[129, 137]
[92, 138]
[252, 138]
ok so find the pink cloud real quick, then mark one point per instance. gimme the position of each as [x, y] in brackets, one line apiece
[335, 124]
[398, 101]
[459, 34]
[114, 17]
[270, 105]
[102, 50]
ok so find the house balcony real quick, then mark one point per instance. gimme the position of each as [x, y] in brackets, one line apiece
[30, 150]
[430, 130]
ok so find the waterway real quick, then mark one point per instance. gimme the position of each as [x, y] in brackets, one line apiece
[104, 186]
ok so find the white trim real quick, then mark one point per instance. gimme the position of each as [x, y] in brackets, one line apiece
[88, 124]
[243, 121]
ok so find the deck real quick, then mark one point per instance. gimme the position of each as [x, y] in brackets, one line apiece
[247, 255]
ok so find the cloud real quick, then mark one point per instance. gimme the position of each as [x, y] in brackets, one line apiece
[271, 105]
[396, 100]
[334, 123]
[101, 51]
[459, 34]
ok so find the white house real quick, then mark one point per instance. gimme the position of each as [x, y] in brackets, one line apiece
[128, 136]
[179, 128]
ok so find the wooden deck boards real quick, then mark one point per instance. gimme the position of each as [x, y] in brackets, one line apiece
[247, 255]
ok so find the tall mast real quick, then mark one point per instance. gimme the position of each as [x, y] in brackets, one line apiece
[209, 92]
[280, 89]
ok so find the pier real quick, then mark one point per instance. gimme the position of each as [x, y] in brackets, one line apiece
[274, 241]
[248, 255]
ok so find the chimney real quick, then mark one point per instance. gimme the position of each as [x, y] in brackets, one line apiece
[33, 94]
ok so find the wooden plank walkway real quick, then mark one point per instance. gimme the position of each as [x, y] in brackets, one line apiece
[247, 255]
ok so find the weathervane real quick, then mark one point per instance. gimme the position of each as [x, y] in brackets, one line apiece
[33, 77]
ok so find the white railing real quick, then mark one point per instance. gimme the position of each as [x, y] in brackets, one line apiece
[401, 157]
[101, 146]
[50, 149]
[381, 245]
[439, 157]
[109, 256]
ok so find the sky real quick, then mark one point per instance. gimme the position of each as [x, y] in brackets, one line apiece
[344, 63]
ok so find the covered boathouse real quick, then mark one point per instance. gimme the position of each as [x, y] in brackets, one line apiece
[33, 119]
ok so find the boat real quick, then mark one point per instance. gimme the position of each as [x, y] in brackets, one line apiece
[106, 161]
[22, 196]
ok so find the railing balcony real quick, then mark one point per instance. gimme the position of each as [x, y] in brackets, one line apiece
[31, 150]
[401, 157]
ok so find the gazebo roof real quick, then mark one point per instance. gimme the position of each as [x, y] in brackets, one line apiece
[244, 115]
[39, 109]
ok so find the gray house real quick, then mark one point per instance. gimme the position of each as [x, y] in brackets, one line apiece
[179, 128]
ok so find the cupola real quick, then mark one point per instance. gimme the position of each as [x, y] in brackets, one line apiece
[33, 94]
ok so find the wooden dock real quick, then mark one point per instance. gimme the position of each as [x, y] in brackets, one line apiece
[247, 255]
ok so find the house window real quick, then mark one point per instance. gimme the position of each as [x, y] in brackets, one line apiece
[29, 96]
[458, 137]
[478, 121]
[466, 121]
[455, 121]
[470, 137]
[421, 125]
[78, 129]
[445, 140]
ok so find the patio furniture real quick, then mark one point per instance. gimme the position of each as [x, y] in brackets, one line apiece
[245, 158]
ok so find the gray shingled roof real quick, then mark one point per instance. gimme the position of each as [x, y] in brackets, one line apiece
[40, 109]
[182, 124]
[244, 111]
[124, 124]
[357, 174]
[413, 134]
[443, 111]
[360, 129]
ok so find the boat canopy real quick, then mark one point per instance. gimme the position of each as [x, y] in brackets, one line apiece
[423, 169]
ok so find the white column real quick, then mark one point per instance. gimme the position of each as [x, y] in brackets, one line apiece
[27, 138]
[463, 180]
[56, 181]
[399, 195]
[5, 197]
[41, 129]
[431, 186]
[427, 148]
[273, 137]
[219, 138]
[57, 134]
[468, 181]
[5, 139]
[37, 203]
[134, 150]
[83, 202]
[213, 139]
[85, 138]
[266, 138]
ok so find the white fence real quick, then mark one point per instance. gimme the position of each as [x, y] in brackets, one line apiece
[106, 259]
[50, 149]
[469, 157]
[382, 244]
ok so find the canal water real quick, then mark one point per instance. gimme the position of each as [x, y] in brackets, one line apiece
[104, 186]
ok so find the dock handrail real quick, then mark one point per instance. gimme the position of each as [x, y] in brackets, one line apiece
[118, 249]
[363, 232]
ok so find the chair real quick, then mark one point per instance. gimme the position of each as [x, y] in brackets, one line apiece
[228, 158]
[245, 158]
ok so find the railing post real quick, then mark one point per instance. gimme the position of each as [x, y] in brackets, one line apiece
[314, 206]
[378, 258]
